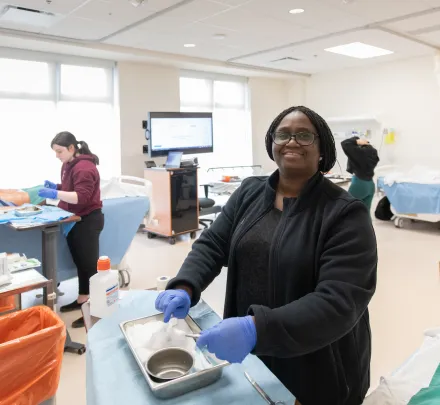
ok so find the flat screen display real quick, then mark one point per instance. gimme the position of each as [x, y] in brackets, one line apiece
[189, 133]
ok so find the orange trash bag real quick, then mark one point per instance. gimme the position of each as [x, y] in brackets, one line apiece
[7, 304]
[31, 352]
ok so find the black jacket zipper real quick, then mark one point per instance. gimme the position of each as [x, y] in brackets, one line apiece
[275, 248]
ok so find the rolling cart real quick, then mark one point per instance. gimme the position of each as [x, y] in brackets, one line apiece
[176, 202]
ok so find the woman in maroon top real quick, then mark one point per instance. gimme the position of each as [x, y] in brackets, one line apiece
[79, 193]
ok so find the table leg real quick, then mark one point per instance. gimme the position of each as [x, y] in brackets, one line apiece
[49, 266]
[73, 347]
[49, 253]
[17, 300]
[50, 297]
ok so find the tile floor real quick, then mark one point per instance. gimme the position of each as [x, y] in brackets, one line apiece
[406, 302]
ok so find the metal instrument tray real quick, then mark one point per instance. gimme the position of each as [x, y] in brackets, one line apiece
[190, 382]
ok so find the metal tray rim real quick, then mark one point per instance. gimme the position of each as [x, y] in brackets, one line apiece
[163, 386]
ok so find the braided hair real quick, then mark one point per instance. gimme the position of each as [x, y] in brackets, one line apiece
[326, 139]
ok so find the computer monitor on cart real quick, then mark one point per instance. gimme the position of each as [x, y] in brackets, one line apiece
[189, 133]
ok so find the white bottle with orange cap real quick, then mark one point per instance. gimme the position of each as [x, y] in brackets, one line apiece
[104, 289]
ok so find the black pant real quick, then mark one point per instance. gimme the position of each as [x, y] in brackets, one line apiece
[83, 241]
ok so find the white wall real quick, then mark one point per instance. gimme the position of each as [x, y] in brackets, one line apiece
[403, 95]
[268, 97]
[142, 88]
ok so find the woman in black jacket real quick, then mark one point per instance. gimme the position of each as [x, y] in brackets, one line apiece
[301, 256]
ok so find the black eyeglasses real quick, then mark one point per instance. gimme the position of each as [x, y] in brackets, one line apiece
[301, 138]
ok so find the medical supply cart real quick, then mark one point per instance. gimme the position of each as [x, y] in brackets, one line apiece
[176, 202]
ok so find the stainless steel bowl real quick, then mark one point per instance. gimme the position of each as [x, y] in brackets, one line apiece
[169, 364]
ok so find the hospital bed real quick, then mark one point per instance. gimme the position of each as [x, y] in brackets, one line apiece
[416, 381]
[412, 201]
[214, 178]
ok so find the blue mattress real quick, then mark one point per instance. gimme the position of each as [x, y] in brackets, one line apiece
[412, 198]
[122, 219]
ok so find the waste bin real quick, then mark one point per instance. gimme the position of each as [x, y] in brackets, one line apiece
[31, 352]
[7, 304]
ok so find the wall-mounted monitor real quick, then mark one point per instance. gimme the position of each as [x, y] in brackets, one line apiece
[185, 132]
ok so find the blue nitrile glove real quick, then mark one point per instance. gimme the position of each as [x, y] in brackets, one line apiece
[173, 302]
[49, 184]
[232, 339]
[48, 193]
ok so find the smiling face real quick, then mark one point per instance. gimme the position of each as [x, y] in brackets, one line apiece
[64, 154]
[293, 158]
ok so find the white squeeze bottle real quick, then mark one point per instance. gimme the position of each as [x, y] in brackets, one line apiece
[104, 289]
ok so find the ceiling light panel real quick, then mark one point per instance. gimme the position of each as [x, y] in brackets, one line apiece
[297, 11]
[29, 17]
[56, 6]
[325, 61]
[359, 50]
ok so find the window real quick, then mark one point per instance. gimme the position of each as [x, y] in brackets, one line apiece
[85, 82]
[94, 123]
[195, 92]
[24, 77]
[38, 99]
[226, 98]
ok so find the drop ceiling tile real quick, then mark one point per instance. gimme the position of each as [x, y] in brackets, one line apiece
[183, 16]
[380, 10]
[153, 4]
[56, 6]
[162, 24]
[81, 28]
[19, 27]
[243, 43]
[246, 42]
[316, 15]
[197, 10]
[432, 37]
[197, 33]
[249, 24]
[168, 44]
[414, 24]
[314, 58]
[206, 30]
[233, 3]
[117, 13]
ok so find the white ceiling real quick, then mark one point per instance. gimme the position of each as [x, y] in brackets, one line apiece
[258, 32]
